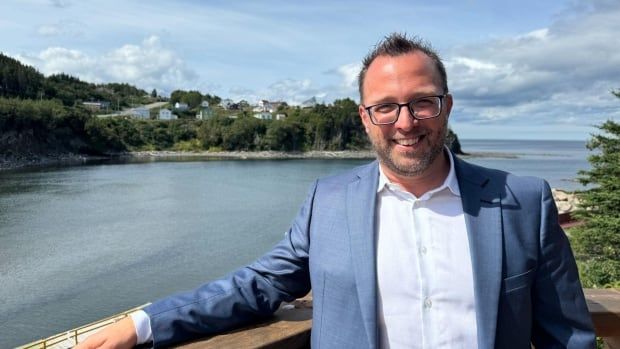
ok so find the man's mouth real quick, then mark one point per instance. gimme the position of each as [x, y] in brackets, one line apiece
[408, 142]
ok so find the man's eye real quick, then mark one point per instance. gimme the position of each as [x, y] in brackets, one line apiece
[385, 108]
[424, 103]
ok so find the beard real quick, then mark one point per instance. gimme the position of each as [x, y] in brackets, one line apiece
[414, 163]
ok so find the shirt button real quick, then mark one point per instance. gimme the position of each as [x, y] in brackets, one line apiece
[428, 303]
[423, 250]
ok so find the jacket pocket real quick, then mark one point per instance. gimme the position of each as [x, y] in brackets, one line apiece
[519, 281]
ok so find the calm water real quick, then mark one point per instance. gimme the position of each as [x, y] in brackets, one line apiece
[84, 242]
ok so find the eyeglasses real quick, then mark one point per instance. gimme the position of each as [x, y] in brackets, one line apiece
[420, 108]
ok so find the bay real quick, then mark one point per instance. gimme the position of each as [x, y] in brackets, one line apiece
[79, 243]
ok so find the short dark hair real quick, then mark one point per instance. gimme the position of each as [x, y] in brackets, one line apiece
[397, 44]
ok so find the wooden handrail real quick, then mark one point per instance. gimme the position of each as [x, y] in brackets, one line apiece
[290, 327]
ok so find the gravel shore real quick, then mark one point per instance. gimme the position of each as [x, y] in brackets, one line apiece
[565, 201]
[14, 162]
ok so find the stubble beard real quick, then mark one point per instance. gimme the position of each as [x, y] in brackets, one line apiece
[415, 168]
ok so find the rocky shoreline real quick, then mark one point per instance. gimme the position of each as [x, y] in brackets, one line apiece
[15, 162]
[566, 201]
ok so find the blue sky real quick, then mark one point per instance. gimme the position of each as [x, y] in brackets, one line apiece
[517, 69]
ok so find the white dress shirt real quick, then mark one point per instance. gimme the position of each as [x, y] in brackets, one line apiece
[424, 273]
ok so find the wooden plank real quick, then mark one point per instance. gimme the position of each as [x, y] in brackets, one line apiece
[604, 306]
[288, 328]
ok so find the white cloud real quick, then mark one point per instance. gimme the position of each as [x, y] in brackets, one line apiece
[559, 74]
[148, 65]
[349, 73]
[62, 28]
[292, 91]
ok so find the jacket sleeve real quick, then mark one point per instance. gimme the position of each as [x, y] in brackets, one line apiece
[561, 318]
[244, 295]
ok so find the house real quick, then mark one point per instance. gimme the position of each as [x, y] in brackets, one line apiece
[263, 106]
[140, 113]
[280, 116]
[226, 103]
[204, 113]
[166, 114]
[99, 105]
[181, 106]
[276, 105]
[263, 115]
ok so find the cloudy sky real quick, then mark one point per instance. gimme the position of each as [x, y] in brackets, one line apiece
[525, 69]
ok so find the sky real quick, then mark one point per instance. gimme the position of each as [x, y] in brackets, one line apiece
[525, 69]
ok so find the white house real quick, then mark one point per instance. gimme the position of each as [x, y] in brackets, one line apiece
[263, 115]
[166, 114]
[280, 116]
[263, 106]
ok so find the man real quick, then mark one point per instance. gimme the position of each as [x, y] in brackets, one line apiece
[417, 250]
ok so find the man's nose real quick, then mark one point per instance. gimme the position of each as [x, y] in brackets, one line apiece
[406, 121]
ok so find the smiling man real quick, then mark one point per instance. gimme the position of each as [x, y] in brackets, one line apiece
[416, 250]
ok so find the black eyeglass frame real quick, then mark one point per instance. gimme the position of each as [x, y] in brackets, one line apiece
[409, 106]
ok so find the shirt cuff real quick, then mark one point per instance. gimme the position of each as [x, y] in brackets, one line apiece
[142, 323]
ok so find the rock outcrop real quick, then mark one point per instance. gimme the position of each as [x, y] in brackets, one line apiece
[565, 201]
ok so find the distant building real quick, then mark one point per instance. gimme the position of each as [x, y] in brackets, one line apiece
[276, 105]
[166, 114]
[280, 116]
[99, 105]
[140, 113]
[204, 114]
[181, 106]
[226, 103]
[263, 106]
[263, 115]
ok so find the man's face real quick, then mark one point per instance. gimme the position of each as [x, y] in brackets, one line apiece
[408, 147]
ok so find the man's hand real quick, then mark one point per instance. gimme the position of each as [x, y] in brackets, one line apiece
[119, 335]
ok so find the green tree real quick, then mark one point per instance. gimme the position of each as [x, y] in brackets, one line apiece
[192, 98]
[597, 241]
[154, 93]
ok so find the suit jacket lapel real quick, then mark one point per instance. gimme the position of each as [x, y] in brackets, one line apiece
[361, 201]
[482, 208]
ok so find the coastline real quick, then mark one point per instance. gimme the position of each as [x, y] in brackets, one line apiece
[565, 200]
[12, 163]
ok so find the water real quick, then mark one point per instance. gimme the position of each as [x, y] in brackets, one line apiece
[84, 242]
[556, 161]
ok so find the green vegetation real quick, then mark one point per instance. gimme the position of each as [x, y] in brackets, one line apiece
[597, 241]
[21, 81]
[44, 116]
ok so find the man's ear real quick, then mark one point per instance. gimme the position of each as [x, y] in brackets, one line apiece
[448, 103]
[364, 117]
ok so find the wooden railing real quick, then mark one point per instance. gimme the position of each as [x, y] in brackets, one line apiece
[290, 327]
[72, 337]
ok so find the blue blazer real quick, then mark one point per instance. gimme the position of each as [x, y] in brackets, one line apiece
[526, 283]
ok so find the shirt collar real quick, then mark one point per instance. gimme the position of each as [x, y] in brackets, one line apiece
[450, 182]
